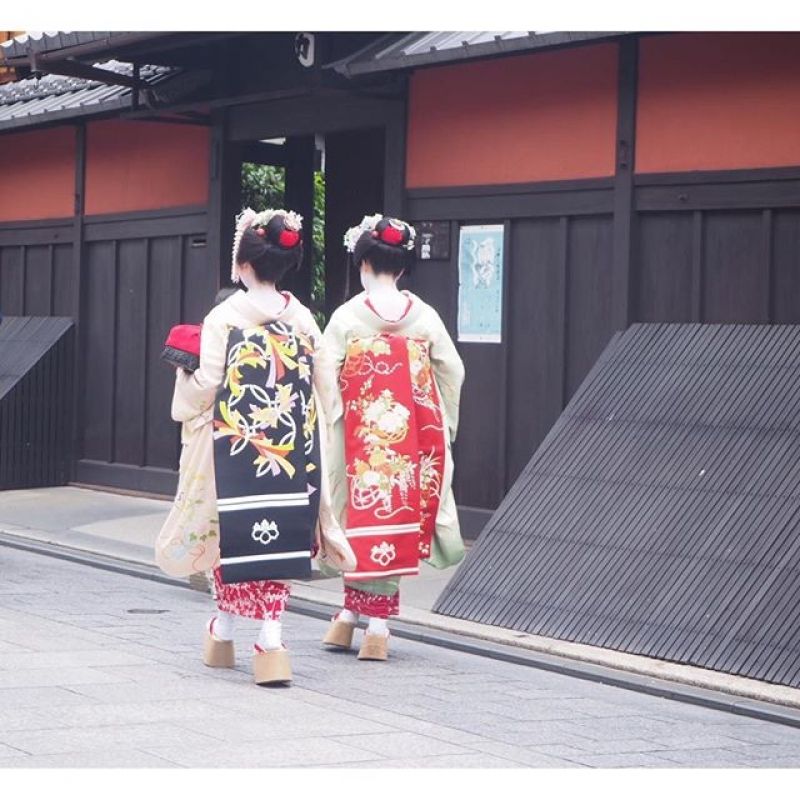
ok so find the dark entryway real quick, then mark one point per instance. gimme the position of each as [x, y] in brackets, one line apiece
[356, 143]
[354, 187]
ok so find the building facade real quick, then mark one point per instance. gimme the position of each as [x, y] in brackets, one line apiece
[635, 178]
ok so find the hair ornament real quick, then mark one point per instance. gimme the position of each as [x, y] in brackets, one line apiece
[288, 238]
[243, 222]
[393, 234]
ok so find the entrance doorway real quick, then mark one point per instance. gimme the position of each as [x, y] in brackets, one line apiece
[344, 146]
[332, 180]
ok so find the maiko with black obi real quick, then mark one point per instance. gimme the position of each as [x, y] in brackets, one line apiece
[253, 502]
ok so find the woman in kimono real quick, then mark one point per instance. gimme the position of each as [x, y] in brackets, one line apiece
[255, 402]
[392, 424]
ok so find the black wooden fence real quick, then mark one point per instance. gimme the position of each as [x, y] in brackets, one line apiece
[138, 274]
[706, 247]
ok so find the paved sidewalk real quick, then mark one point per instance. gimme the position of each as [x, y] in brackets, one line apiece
[91, 676]
[126, 527]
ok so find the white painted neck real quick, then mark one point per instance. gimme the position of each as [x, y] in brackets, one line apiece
[266, 297]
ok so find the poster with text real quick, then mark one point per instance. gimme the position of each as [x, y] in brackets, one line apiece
[480, 283]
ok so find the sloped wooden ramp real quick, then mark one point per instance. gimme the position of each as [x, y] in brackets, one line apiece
[661, 515]
[36, 386]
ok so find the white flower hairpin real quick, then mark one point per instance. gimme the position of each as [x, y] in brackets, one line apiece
[368, 225]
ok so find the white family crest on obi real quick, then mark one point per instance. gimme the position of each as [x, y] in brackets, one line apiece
[383, 553]
[265, 531]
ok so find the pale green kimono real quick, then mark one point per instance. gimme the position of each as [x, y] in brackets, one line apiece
[356, 318]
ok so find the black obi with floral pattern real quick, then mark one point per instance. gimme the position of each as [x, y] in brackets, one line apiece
[266, 455]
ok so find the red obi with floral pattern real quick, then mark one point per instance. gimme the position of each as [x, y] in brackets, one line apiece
[394, 451]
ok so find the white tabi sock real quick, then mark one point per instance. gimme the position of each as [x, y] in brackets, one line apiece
[224, 626]
[346, 615]
[377, 627]
[269, 637]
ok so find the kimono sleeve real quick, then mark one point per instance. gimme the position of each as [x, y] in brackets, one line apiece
[334, 344]
[324, 370]
[195, 392]
[448, 369]
[325, 390]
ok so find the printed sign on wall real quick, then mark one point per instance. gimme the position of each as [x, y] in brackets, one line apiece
[433, 240]
[480, 283]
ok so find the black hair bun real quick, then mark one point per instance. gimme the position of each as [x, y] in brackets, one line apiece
[273, 247]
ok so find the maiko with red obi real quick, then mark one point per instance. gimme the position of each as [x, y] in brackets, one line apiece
[394, 449]
[394, 418]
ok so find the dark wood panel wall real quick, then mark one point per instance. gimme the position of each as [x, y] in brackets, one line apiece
[703, 255]
[586, 258]
[558, 317]
[141, 274]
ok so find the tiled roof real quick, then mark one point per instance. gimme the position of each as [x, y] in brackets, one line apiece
[31, 100]
[48, 41]
[432, 47]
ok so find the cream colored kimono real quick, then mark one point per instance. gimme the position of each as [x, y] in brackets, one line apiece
[189, 540]
[356, 318]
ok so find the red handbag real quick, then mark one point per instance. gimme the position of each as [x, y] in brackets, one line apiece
[182, 348]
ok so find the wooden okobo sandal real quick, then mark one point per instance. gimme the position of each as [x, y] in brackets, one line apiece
[271, 666]
[374, 647]
[217, 652]
[340, 634]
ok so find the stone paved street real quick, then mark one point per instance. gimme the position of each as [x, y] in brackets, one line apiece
[86, 679]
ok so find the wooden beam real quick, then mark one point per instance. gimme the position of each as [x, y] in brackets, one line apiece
[504, 357]
[79, 295]
[784, 193]
[696, 296]
[264, 153]
[563, 309]
[299, 196]
[224, 199]
[394, 170]
[767, 243]
[299, 114]
[624, 211]
[183, 119]
[503, 204]
[135, 92]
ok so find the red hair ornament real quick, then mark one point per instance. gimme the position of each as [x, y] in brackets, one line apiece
[390, 235]
[288, 239]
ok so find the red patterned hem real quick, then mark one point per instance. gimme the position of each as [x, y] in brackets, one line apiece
[253, 599]
[372, 605]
